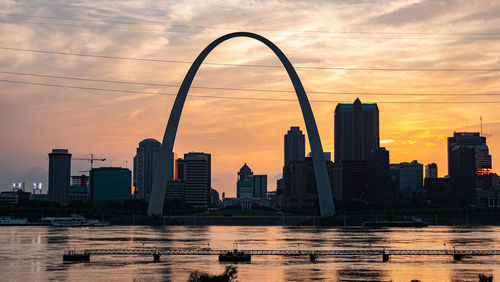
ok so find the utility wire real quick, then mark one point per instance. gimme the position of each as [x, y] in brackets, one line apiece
[245, 89]
[252, 28]
[295, 35]
[250, 65]
[233, 97]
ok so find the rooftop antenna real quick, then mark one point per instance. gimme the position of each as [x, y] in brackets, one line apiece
[481, 119]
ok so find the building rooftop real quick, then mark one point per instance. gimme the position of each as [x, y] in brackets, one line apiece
[149, 140]
[356, 105]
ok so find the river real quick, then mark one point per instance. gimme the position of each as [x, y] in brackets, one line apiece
[34, 253]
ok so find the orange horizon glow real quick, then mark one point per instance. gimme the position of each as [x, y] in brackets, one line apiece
[339, 36]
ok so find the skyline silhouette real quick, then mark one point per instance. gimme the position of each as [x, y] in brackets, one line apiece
[38, 118]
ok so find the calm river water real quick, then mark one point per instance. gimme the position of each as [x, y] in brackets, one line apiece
[35, 253]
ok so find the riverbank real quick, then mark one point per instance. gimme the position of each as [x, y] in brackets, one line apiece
[134, 213]
[294, 220]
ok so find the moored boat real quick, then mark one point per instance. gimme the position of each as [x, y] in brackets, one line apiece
[7, 220]
[235, 256]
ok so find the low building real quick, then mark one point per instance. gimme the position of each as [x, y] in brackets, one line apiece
[246, 203]
[437, 188]
[110, 184]
[39, 197]
[14, 197]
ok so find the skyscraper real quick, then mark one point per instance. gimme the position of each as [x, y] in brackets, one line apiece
[198, 178]
[300, 193]
[59, 176]
[462, 173]
[144, 164]
[469, 165]
[356, 131]
[474, 141]
[295, 145]
[379, 179]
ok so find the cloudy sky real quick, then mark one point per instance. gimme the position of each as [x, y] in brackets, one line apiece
[432, 67]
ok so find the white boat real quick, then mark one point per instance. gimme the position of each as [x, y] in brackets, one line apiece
[6, 220]
[73, 221]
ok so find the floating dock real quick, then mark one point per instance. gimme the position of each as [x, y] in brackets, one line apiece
[245, 255]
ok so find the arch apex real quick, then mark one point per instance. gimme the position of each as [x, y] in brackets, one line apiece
[325, 193]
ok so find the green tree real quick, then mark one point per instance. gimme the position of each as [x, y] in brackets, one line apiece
[230, 274]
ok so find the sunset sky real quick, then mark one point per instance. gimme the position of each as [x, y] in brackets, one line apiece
[347, 49]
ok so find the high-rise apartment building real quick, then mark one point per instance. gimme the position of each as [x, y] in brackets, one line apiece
[59, 176]
[197, 169]
[356, 131]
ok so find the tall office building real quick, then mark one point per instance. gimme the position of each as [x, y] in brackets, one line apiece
[462, 173]
[379, 179]
[295, 145]
[300, 193]
[197, 169]
[243, 175]
[110, 184]
[474, 141]
[59, 176]
[145, 161]
[431, 171]
[356, 131]
[469, 165]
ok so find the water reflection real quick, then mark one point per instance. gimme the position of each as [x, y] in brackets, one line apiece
[41, 248]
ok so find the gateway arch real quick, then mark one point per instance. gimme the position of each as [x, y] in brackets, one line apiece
[325, 195]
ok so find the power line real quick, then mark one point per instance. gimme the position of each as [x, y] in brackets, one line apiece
[295, 35]
[250, 65]
[246, 89]
[253, 28]
[233, 97]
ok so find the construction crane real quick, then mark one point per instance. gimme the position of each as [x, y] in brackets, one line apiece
[91, 160]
